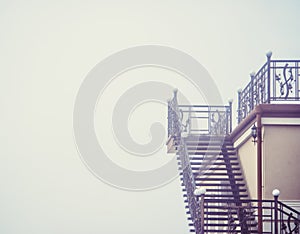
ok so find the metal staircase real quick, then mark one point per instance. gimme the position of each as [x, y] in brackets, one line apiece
[215, 166]
[200, 136]
[207, 159]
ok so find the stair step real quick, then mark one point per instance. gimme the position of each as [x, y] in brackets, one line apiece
[210, 173]
[221, 196]
[224, 225]
[208, 152]
[221, 156]
[222, 169]
[225, 207]
[222, 210]
[194, 152]
[240, 190]
[227, 231]
[243, 201]
[205, 168]
[209, 137]
[213, 167]
[212, 161]
[207, 141]
[223, 185]
[212, 157]
[220, 163]
[196, 169]
[222, 213]
[222, 174]
[226, 195]
[225, 190]
[202, 138]
[217, 179]
[218, 218]
[206, 163]
[208, 148]
[219, 173]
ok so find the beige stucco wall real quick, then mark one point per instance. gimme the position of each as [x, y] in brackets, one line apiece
[281, 161]
[248, 161]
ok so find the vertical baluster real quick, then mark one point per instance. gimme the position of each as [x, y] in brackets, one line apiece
[200, 192]
[297, 76]
[169, 118]
[276, 194]
[189, 120]
[240, 114]
[252, 89]
[269, 54]
[229, 117]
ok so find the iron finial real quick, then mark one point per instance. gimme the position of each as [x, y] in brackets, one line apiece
[269, 54]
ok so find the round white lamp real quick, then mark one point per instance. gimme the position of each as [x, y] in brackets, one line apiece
[275, 192]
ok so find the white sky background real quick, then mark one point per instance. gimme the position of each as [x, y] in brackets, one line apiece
[46, 50]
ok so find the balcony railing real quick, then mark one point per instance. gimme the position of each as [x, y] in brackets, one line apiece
[276, 82]
[199, 119]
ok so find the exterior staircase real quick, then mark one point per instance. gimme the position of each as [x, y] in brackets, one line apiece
[207, 159]
[215, 166]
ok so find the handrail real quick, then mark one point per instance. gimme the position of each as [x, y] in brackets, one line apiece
[278, 218]
[195, 120]
[175, 129]
[277, 81]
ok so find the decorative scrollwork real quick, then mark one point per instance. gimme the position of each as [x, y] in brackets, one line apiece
[276, 80]
[175, 128]
[285, 83]
[218, 122]
[186, 125]
[244, 214]
[288, 228]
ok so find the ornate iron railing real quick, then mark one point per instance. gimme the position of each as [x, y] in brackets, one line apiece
[175, 129]
[277, 217]
[277, 81]
[199, 119]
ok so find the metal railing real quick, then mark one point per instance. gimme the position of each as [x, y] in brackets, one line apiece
[276, 82]
[277, 217]
[199, 119]
[195, 120]
[175, 129]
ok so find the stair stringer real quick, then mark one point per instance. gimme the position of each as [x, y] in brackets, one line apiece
[228, 179]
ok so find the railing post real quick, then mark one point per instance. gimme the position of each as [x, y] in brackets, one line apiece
[240, 106]
[169, 118]
[269, 54]
[276, 194]
[200, 192]
[252, 75]
[202, 211]
[190, 120]
[230, 116]
[175, 92]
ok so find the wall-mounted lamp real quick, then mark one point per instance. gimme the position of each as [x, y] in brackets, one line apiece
[254, 133]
